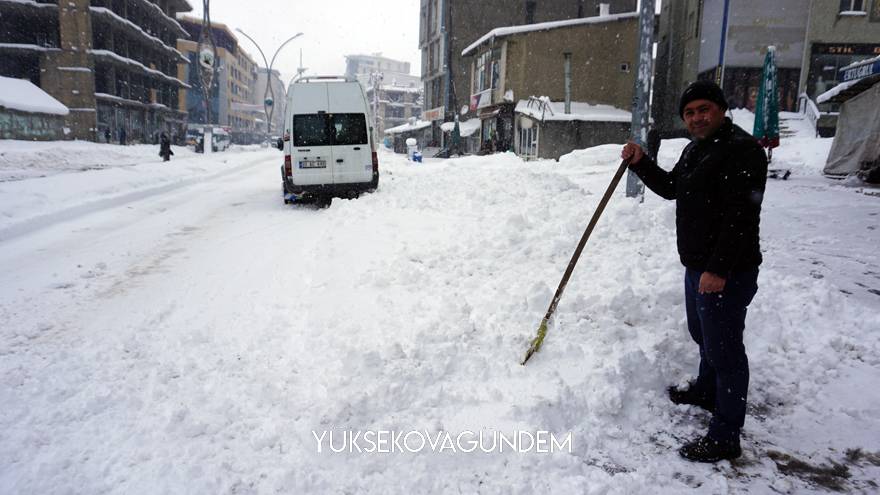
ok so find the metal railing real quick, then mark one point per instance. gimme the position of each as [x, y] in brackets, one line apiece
[808, 108]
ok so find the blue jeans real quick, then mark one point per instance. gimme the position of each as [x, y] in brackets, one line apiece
[716, 323]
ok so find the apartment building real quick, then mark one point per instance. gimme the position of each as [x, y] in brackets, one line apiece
[112, 63]
[235, 84]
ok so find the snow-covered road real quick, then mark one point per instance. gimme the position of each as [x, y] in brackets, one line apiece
[191, 337]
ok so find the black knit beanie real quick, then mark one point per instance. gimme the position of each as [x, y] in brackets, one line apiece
[702, 90]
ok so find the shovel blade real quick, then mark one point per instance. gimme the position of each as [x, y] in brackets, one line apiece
[536, 342]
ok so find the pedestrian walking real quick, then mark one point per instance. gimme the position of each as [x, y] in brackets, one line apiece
[165, 147]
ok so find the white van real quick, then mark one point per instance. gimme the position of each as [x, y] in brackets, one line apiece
[328, 142]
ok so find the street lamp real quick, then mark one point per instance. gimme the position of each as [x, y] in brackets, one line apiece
[269, 94]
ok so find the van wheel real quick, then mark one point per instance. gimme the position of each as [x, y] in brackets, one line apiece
[323, 201]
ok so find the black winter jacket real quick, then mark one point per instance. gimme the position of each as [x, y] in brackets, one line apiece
[717, 184]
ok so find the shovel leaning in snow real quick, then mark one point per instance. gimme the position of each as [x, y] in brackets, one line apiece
[542, 330]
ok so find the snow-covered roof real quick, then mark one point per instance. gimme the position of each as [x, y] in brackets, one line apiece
[545, 26]
[419, 124]
[466, 128]
[29, 47]
[112, 15]
[32, 3]
[555, 110]
[836, 90]
[128, 61]
[24, 96]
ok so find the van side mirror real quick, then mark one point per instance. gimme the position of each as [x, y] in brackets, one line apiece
[280, 144]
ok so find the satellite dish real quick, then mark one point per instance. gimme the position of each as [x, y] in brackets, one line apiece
[464, 109]
[525, 123]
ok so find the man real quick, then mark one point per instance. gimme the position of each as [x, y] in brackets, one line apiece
[717, 184]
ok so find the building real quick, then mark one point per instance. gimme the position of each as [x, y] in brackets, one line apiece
[813, 40]
[399, 96]
[526, 74]
[29, 113]
[398, 99]
[838, 34]
[113, 64]
[363, 66]
[235, 82]
[448, 26]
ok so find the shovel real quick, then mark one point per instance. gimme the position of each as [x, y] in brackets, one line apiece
[542, 330]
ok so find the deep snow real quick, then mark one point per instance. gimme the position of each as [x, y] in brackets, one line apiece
[185, 332]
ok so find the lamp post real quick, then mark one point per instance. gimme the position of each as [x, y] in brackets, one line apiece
[269, 94]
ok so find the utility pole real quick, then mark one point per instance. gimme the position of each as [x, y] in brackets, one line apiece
[642, 92]
[722, 50]
[376, 82]
[207, 68]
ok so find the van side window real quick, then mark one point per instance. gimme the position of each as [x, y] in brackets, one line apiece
[349, 129]
[311, 130]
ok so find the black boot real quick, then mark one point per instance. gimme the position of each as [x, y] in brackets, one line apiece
[692, 397]
[707, 450]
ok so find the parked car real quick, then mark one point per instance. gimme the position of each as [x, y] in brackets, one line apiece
[328, 144]
[195, 137]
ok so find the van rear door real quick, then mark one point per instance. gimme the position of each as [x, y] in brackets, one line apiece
[311, 149]
[351, 148]
[352, 151]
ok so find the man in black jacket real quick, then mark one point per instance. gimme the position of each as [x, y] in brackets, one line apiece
[717, 184]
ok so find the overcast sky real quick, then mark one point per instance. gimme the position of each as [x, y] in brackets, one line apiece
[332, 29]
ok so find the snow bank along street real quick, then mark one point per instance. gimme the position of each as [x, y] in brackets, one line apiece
[174, 328]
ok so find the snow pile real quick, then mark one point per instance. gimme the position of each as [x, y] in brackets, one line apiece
[24, 96]
[555, 110]
[29, 159]
[195, 341]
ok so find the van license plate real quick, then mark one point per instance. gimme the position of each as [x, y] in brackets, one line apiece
[313, 164]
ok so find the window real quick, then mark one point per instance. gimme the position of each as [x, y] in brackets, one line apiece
[349, 128]
[852, 6]
[321, 129]
[530, 12]
[311, 130]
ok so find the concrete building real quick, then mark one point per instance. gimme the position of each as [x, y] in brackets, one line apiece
[398, 99]
[235, 82]
[813, 39]
[112, 63]
[399, 95]
[448, 26]
[362, 66]
[588, 62]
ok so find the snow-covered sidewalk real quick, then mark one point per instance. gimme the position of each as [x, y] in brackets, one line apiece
[47, 182]
[191, 341]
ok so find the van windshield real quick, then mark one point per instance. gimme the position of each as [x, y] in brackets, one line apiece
[329, 129]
